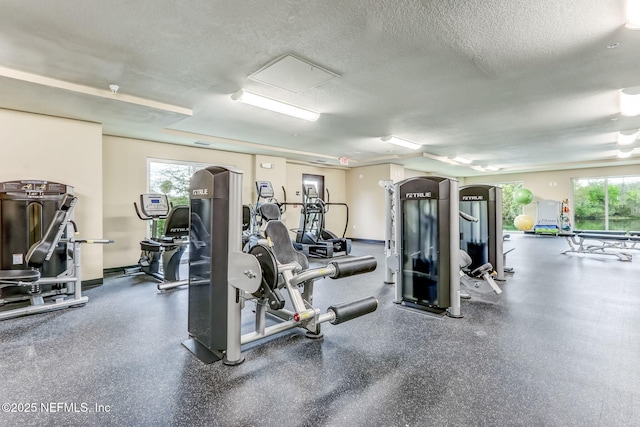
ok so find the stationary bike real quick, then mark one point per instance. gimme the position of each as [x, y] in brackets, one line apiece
[170, 246]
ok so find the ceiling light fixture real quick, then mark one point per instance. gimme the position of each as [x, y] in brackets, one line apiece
[627, 137]
[633, 14]
[273, 105]
[401, 142]
[630, 101]
[492, 168]
[462, 160]
[623, 154]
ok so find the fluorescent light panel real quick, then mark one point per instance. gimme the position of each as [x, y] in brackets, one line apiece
[630, 101]
[492, 168]
[462, 160]
[273, 105]
[627, 137]
[400, 142]
[633, 14]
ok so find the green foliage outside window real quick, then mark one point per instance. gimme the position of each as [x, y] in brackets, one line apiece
[510, 208]
[607, 203]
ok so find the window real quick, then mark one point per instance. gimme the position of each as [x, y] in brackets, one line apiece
[611, 203]
[510, 208]
[171, 178]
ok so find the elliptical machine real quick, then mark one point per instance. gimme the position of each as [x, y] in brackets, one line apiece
[312, 238]
[170, 246]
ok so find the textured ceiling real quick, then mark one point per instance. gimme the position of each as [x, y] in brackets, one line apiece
[522, 85]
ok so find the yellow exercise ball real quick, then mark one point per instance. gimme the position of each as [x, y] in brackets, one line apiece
[523, 222]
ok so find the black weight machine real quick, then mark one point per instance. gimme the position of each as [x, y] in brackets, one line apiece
[39, 255]
[169, 247]
[222, 278]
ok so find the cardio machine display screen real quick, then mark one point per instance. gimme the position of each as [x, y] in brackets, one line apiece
[420, 251]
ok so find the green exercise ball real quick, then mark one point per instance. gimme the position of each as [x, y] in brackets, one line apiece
[523, 222]
[523, 196]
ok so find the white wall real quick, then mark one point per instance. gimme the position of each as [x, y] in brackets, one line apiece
[59, 150]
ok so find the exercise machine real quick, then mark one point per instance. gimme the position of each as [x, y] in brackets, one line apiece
[422, 249]
[39, 256]
[483, 239]
[222, 278]
[312, 238]
[169, 247]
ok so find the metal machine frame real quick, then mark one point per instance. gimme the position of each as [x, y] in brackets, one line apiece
[222, 278]
[431, 205]
[482, 240]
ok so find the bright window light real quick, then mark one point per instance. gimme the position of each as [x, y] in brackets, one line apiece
[401, 142]
[633, 14]
[273, 105]
[627, 137]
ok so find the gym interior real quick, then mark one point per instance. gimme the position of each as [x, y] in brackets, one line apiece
[544, 330]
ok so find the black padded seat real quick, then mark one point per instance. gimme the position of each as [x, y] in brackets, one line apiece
[19, 275]
[283, 249]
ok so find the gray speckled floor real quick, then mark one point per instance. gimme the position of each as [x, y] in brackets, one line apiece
[559, 347]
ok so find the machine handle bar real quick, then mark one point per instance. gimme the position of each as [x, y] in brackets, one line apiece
[468, 217]
[338, 269]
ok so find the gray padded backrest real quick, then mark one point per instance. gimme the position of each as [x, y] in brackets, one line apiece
[269, 211]
[283, 249]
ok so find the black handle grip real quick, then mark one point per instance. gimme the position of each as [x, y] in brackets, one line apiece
[351, 266]
[351, 310]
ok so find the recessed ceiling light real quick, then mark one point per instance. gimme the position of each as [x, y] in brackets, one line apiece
[630, 101]
[633, 14]
[627, 137]
[623, 154]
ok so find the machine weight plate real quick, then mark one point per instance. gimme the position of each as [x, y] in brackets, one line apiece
[269, 267]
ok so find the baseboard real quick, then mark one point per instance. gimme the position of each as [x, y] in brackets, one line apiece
[118, 269]
[88, 284]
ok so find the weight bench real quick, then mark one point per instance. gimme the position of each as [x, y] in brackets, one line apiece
[40, 252]
[608, 244]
